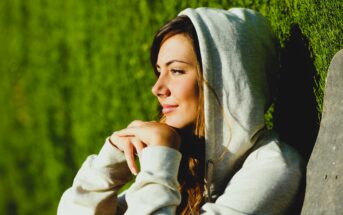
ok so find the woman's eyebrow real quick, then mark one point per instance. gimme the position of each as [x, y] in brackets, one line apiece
[174, 61]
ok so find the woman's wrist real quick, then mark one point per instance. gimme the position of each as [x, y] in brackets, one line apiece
[160, 158]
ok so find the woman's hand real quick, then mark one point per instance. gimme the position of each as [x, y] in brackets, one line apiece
[128, 145]
[140, 134]
[152, 133]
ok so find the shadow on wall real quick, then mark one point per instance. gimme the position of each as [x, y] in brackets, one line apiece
[296, 115]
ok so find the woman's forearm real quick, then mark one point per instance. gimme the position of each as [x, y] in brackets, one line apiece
[96, 185]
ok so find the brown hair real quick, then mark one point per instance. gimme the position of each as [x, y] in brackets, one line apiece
[191, 172]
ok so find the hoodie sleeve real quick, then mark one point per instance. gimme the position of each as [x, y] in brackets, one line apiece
[155, 190]
[95, 187]
[266, 184]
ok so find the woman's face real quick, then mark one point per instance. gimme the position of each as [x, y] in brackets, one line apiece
[176, 87]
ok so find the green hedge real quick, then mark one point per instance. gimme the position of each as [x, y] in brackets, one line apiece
[73, 71]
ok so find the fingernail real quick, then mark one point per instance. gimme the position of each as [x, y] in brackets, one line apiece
[134, 172]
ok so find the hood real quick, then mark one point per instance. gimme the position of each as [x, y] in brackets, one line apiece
[240, 65]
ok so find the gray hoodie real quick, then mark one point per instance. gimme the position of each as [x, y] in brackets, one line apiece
[248, 170]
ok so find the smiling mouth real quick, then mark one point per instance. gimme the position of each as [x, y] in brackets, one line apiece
[168, 108]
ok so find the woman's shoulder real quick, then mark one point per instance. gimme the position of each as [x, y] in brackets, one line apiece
[273, 153]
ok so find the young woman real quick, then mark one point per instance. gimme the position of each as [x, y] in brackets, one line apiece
[211, 152]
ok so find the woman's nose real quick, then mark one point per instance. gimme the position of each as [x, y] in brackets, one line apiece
[160, 88]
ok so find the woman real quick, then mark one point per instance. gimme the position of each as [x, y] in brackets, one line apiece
[211, 152]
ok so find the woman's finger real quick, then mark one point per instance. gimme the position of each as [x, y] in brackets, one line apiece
[119, 142]
[139, 145]
[124, 144]
[135, 123]
[130, 159]
[113, 139]
[129, 131]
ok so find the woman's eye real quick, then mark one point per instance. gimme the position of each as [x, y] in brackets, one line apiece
[177, 71]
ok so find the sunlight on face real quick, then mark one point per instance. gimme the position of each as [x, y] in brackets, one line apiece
[176, 87]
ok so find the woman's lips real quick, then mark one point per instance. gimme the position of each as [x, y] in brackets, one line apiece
[168, 108]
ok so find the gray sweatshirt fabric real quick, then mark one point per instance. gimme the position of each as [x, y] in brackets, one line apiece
[248, 170]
